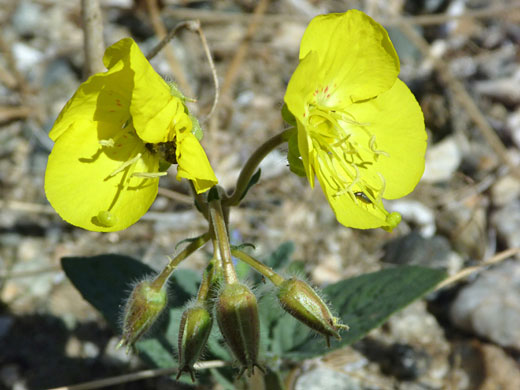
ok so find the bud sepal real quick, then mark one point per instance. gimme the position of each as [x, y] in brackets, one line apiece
[237, 317]
[302, 302]
[142, 309]
[196, 323]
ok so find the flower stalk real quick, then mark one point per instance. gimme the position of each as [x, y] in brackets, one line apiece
[252, 164]
[222, 240]
[268, 272]
[167, 271]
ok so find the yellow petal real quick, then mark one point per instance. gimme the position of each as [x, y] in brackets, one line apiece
[396, 121]
[156, 114]
[354, 213]
[357, 58]
[103, 97]
[78, 181]
[193, 163]
[301, 86]
[299, 91]
[305, 147]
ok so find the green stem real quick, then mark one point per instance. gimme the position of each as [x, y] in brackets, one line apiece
[252, 164]
[200, 200]
[167, 271]
[259, 266]
[222, 240]
[204, 288]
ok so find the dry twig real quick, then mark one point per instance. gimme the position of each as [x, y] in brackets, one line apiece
[8, 113]
[136, 376]
[469, 270]
[175, 195]
[160, 31]
[92, 36]
[236, 62]
[462, 96]
[209, 16]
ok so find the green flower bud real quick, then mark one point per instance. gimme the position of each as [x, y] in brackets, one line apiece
[142, 309]
[301, 301]
[194, 331]
[237, 316]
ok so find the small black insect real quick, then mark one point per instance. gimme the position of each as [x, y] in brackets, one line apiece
[361, 196]
[165, 149]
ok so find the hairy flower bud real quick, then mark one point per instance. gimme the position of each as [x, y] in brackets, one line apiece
[194, 331]
[301, 301]
[237, 316]
[142, 309]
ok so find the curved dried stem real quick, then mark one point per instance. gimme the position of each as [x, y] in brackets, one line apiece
[137, 376]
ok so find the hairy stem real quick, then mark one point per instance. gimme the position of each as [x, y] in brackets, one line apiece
[259, 266]
[167, 271]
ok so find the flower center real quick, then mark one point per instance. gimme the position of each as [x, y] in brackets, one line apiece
[346, 151]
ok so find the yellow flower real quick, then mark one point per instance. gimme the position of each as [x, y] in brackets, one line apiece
[359, 128]
[103, 171]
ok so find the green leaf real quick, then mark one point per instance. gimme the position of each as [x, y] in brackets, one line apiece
[254, 179]
[294, 156]
[281, 256]
[106, 282]
[288, 116]
[364, 303]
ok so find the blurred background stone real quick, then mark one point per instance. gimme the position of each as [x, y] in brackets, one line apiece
[490, 306]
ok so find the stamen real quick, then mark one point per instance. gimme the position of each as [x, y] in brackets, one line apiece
[383, 187]
[372, 146]
[324, 166]
[342, 141]
[348, 188]
[126, 164]
[149, 175]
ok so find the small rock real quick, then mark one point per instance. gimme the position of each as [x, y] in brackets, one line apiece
[490, 306]
[10, 375]
[465, 223]
[442, 160]
[26, 18]
[288, 36]
[507, 222]
[505, 190]
[483, 366]
[6, 322]
[513, 126]
[463, 67]
[90, 350]
[114, 355]
[500, 63]
[322, 378]
[27, 57]
[502, 371]
[417, 213]
[430, 252]
[407, 362]
[505, 90]
[411, 345]
[73, 348]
